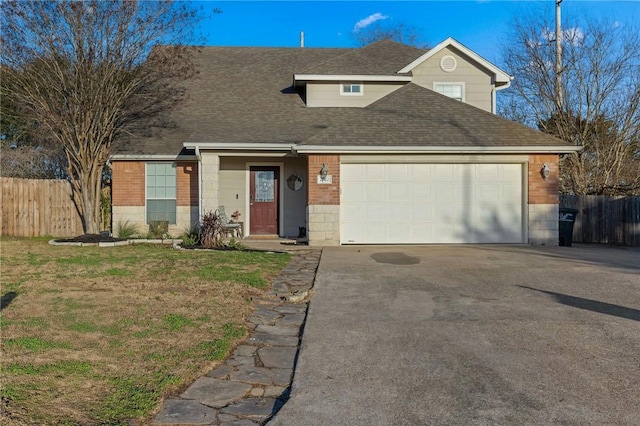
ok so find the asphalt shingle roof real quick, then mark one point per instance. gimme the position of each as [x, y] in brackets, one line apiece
[416, 116]
[384, 57]
[245, 95]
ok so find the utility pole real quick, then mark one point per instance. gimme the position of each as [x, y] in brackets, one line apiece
[558, 68]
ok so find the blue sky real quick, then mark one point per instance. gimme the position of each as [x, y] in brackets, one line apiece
[480, 25]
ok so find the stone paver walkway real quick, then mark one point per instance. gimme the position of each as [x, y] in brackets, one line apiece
[254, 382]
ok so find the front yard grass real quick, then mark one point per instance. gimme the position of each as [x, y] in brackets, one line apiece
[100, 335]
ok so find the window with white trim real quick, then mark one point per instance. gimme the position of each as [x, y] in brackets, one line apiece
[161, 192]
[452, 90]
[351, 89]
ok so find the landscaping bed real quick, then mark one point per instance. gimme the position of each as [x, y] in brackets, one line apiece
[94, 336]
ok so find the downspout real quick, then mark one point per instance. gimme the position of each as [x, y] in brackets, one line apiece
[199, 157]
[493, 99]
[494, 93]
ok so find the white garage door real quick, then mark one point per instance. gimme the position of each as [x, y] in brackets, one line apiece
[431, 203]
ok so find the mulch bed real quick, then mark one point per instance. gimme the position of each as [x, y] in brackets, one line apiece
[90, 238]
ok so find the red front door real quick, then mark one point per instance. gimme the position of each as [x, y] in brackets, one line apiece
[263, 200]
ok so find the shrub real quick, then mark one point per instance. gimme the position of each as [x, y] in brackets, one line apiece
[126, 229]
[190, 237]
[236, 244]
[211, 232]
[158, 228]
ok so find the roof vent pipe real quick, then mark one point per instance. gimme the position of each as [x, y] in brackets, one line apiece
[301, 39]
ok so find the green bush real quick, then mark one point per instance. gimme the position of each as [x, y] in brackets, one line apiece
[190, 237]
[158, 229]
[126, 229]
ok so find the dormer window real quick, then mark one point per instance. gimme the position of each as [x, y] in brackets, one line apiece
[351, 89]
[452, 90]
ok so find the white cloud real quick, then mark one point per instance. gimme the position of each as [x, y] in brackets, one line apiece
[363, 23]
[573, 36]
[548, 35]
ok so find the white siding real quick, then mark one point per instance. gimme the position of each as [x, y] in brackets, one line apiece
[327, 94]
[478, 83]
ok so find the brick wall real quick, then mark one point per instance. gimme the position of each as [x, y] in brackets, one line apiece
[128, 182]
[187, 183]
[323, 194]
[543, 191]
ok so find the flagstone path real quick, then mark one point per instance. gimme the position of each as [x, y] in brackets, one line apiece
[255, 381]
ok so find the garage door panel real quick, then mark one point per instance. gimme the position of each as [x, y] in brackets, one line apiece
[374, 191]
[487, 172]
[375, 212]
[352, 192]
[513, 173]
[397, 173]
[442, 172]
[510, 192]
[419, 210]
[397, 192]
[375, 172]
[431, 203]
[486, 191]
[421, 172]
[421, 191]
[399, 213]
[442, 192]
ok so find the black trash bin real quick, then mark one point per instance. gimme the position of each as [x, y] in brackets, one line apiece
[567, 219]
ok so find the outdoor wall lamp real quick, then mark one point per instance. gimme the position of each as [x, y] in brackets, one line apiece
[545, 171]
[324, 171]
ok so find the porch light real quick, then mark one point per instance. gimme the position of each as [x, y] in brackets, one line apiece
[545, 171]
[324, 171]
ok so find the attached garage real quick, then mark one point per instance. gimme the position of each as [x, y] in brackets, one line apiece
[432, 203]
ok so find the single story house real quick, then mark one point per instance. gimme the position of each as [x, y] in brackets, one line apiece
[384, 144]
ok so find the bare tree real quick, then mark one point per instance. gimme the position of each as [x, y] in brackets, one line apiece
[21, 155]
[597, 105]
[391, 30]
[87, 74]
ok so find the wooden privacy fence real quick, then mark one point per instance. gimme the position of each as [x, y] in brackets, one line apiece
[606, 220]
[37, 207]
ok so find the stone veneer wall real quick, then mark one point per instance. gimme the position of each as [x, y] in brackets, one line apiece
[210, 164]
[543, 200]
[323, 208]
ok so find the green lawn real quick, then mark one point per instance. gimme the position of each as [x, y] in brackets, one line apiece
[100, 335]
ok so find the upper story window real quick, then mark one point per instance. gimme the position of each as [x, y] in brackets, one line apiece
[452, 90]
[351, 89]
[161, 192]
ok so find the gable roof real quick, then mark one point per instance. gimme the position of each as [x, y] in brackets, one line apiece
[242, 97]
[500, 75]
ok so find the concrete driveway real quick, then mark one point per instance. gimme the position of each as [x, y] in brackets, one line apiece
[471, 335]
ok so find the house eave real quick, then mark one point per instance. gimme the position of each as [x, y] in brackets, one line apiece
[224, 146]
[348, 77]
[318, 149]
[152, 157]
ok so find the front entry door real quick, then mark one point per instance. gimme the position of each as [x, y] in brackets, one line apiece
[263, 200]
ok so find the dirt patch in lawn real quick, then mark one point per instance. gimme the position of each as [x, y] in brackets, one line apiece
[101, 336]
